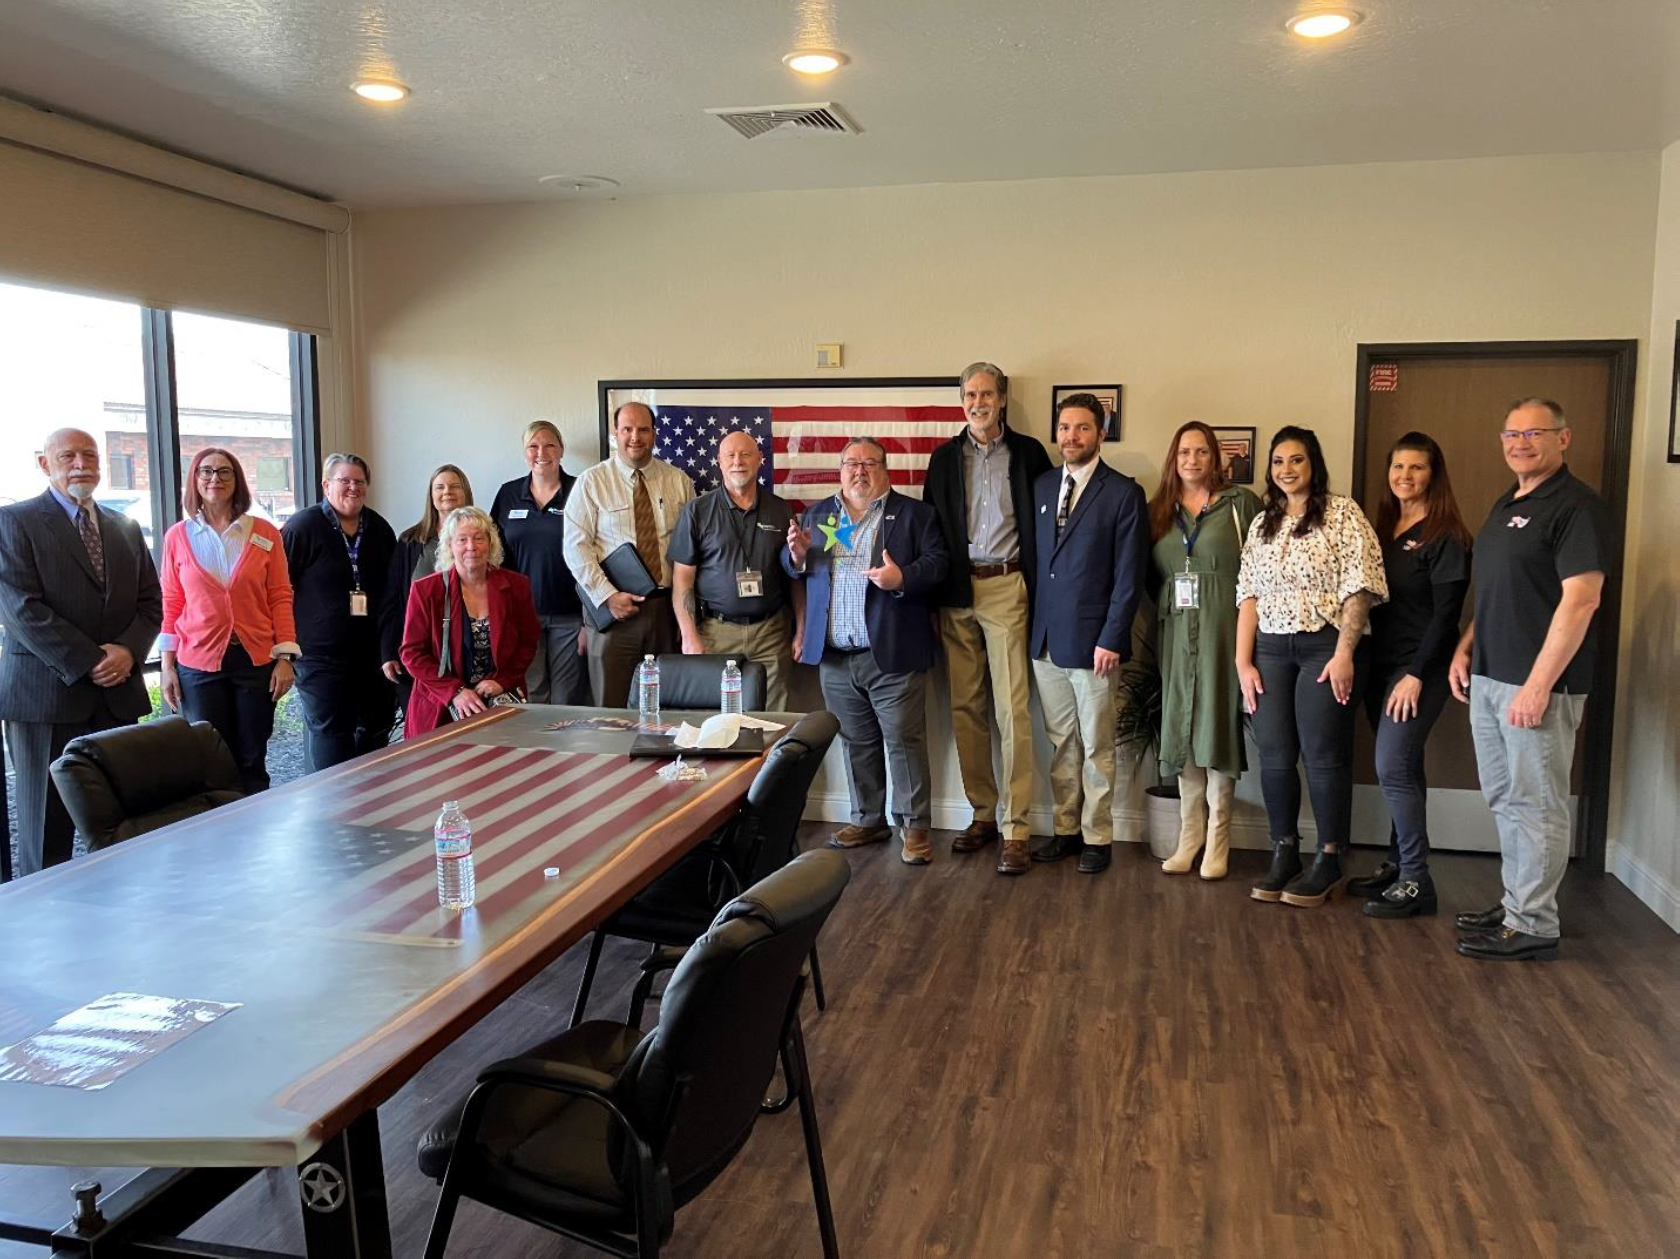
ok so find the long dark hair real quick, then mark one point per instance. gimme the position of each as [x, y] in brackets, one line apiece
[1274, 507]
[1171, 489]
[1441, 517]
[192, 503]
[426, 528]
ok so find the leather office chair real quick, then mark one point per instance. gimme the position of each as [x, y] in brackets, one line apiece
[120, 783]
[676, 908]
[696, 682]
[601, 1134]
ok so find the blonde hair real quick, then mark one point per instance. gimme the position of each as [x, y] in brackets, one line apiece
[541, 426]
[452, 524]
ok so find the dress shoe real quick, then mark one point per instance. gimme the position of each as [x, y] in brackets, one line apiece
[1095, 858]
[1318, 884]
[1286, 864]
[1059, 847]
[1013, 859]
[1479, 920]
[1375, 883]
[1509, 945]
[1406, 898]
[918, 846]
[858, 836]
[975, 836]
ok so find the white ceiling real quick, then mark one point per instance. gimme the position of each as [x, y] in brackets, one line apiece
[509, 90]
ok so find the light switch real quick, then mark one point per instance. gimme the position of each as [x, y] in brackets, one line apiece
[828, 354]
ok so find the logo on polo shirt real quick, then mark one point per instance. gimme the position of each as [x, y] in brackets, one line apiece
[1518, 522]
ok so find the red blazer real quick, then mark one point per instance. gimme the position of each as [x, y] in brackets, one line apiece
[513, 642]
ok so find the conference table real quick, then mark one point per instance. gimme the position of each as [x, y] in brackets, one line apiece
[243, 989]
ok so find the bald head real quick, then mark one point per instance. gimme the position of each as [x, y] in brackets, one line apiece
[70, 460]
[739, 459]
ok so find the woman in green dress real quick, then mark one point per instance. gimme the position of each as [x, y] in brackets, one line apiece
[1197, 523]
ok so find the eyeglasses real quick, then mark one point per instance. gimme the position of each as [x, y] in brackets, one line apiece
[215, 474]
[1527, 434]
[348, 483]
[852, 465]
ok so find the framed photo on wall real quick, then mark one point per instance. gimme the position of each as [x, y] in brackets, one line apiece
[801, 426]
[1108, 395]
[1236, 448]
[1674, 403]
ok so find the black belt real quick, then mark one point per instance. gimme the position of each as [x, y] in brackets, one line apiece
[995, 570]
[711, 614]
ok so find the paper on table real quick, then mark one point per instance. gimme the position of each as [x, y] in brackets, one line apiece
[92, 1046]
[758, 723]
[720, 731]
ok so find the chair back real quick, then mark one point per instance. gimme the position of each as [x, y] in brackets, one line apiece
[763, 836]
[119, 783]
[696, 682]
[695, 1084]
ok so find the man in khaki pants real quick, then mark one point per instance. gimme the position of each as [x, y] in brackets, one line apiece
[980, 484]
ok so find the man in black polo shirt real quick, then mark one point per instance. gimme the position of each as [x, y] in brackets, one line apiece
[1524, 666]
[730, 593]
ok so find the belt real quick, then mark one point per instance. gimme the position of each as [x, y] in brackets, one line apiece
[995, 570]
[711, 615]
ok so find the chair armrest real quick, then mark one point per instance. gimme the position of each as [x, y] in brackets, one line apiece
[560, 1077]
[663, 958]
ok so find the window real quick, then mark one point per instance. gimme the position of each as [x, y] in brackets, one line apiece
[119, 470]
[274, 474]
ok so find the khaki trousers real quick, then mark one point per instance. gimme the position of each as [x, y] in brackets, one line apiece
[987, 643]
[770, 642]
[1079, 718]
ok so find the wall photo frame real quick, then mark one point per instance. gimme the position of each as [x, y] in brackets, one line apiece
[1236, 449]
[1108, 395]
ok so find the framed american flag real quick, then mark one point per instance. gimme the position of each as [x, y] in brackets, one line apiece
[800, 426]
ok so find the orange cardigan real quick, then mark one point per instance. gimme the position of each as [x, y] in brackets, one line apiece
[203, 614]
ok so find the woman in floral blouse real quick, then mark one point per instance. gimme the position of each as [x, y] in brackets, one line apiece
[1311, 571]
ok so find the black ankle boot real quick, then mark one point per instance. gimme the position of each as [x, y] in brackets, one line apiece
[1315, 886]
[1286, 864]
[1377, 882]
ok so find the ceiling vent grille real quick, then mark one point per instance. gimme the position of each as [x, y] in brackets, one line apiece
[825, 118]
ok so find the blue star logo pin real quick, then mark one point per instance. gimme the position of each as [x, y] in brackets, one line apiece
[836, 534]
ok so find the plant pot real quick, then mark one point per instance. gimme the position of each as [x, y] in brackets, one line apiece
[1160, 820]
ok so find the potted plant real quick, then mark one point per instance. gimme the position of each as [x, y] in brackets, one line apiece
[1137, 732]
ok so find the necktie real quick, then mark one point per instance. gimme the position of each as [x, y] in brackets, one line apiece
[1066, 509]
[647, 533]
[86, 526]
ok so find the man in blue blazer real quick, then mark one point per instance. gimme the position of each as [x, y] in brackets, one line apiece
[870, 559]
[1092, 544]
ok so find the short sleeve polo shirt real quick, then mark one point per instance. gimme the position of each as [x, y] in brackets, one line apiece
[719, 540]
[1525, 551]
[534, 538]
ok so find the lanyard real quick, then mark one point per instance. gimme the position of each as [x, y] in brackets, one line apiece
[1190, 535]
[743, 532]
[353, 550]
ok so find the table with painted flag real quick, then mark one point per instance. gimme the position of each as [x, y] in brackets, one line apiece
[244, 988]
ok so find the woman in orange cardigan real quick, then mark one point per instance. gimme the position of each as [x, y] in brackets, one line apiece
[493, 626]
[228, 640]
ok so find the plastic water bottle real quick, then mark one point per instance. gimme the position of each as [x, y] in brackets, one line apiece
[647, 691]
[456, 884]
[731, 687]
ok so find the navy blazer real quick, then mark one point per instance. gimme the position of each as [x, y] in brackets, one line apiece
[1089, 582]
[899, 621]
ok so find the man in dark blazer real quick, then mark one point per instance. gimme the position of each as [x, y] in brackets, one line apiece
[980, 483]
[870, 558]
[1092, 544]
[81, 607]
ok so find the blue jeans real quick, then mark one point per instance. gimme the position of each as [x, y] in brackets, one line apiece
[1299, 720]
[1400, 766]
[234, 699]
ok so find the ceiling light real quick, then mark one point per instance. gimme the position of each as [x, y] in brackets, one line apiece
[1322, 23]
[815, 60]
[385, 91]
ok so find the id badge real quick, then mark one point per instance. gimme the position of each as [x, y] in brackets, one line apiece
[749, 583]
[358, 603]
[1185, 591]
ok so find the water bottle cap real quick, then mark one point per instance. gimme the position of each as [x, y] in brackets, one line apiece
[452, 804]
[731, 665]
[648, 659]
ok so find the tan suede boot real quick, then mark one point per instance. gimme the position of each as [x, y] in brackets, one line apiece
[1222, 790]
[1192, 820]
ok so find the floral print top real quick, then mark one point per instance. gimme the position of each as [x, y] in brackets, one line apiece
[1299, 584]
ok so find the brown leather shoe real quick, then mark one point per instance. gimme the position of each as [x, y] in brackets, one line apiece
[975, 836]
[858, 836]
[918, 846]
[1013, 859]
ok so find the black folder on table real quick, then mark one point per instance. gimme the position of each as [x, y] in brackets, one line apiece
[624, 568]
[750, 742]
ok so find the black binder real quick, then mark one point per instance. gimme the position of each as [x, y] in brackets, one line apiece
[624, 568]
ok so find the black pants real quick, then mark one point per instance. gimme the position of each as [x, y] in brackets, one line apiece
[235, 700]
[1400, 765]
[1299, 720]
[348, 708]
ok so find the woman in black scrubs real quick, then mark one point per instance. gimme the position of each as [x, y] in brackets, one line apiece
[1426, 554]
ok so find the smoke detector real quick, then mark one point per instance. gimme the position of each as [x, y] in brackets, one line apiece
[823, 118]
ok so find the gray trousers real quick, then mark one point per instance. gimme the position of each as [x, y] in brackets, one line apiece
[615, 653]
[883, 717]
[45, 833]
[1525, 780]
[556, 673]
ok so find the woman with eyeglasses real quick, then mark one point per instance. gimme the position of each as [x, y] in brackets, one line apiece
[228, 638]
[339, 555]
[416, 557]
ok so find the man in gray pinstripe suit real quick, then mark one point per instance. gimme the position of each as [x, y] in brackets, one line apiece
[80, 605]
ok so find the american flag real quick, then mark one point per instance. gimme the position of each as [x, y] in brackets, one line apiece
[801, 444]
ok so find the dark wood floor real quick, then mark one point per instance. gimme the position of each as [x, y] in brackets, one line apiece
[1142, 1067]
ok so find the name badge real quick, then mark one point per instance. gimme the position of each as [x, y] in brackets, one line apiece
[262, 543]
[519, 513]
[358, 603]
[749, 583]
[1185, 591]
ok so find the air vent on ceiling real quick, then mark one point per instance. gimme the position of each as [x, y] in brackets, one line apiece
[825, 118]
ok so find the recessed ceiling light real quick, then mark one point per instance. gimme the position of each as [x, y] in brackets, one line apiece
[1323, 23]
[815, 60]
[385, 91]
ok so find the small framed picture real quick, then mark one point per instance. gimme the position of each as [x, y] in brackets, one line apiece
[1108, 395]
[1236, 448]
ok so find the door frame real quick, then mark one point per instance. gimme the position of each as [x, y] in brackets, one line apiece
[1593, 819]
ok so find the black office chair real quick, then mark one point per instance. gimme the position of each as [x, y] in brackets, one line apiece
[120, 783]
[602, 1134]
[676, 908]
[696, 683]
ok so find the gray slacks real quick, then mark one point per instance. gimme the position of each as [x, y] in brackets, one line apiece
[615, 653]
[883, 719]
[556, 675]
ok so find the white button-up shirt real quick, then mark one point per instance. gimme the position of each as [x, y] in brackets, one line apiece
[601, 517]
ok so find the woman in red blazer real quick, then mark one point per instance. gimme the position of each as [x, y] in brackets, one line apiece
[492, 626]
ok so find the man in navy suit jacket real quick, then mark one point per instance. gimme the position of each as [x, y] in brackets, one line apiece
[1092, 543]
[870, 559]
